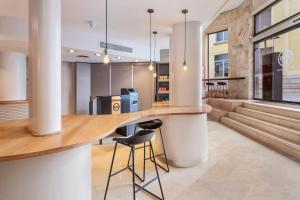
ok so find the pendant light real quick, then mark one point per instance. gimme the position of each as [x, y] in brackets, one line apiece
[154, 53]
[105, 52]
[185, 11]
[150, 11]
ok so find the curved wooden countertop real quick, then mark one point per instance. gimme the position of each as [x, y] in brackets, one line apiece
[77, 130]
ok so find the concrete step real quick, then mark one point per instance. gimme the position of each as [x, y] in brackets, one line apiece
[272, 118]
[224, 104]
[287, 112]
[273, 129]
[276, 143]
[216, 114]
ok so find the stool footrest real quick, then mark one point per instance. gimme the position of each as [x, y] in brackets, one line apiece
[141, 179]
[150, 158]
[142, 187]
[163, 168]
[121, 170]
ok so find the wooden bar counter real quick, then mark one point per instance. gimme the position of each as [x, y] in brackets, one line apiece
[30, 164]
[16, 142]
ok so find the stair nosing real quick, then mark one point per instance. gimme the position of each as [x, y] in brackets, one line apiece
[267, 135]
[292, 110]
[292, 131]
[295, 120]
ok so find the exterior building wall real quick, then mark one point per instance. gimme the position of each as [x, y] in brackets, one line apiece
[240, 25]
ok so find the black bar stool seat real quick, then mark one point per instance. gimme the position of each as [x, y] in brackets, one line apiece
[222, 83]
[210, 83]
[152, 124]
[140, 137]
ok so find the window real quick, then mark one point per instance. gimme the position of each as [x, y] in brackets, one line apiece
[277, 67]
[221, 65]
[217, 55]
[275, 13]
[222, 36]
[277, 52]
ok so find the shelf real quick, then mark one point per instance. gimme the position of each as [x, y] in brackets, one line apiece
[164, 92]
[163, 81]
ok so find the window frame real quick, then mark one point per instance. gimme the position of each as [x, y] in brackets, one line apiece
[276, 24]
[291, 28]
[223, 37]
[223, 62]
[208, 60]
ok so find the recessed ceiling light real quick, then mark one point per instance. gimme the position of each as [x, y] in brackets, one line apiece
[118, 57]
[71, 51]
[98, 54]
[136, 60]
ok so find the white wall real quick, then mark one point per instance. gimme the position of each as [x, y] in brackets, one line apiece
[12, 76]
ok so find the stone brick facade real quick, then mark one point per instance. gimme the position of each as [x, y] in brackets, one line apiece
[240, 25]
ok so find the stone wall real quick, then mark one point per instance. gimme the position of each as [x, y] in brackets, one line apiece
[240, 25]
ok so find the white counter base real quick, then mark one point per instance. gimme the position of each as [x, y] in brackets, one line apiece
[186, 140]
[59, 176]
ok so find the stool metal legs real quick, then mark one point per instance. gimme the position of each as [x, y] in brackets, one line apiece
[151, 155]
[111, 167]
[144, 167]
[133, 171]
[134, 184]
[167, 169]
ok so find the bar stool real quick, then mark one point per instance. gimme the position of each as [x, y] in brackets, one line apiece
[210, 87]
[151, 125]
[224, 89]
[141, 137]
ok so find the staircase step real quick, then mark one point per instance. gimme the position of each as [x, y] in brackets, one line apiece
[272, 118]
[216, 114]
[279, 131]
[287, 112]
[272, 141]
[225, 104]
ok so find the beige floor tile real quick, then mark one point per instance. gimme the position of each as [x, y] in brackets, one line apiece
[238, 169]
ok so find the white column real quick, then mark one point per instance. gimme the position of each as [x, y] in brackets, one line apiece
[186, 85]
[12, 76]
[45, 66]
[185, 136]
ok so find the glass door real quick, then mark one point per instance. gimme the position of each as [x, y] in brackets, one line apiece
[277, 67]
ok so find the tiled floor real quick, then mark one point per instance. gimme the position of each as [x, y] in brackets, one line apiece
[238, 169]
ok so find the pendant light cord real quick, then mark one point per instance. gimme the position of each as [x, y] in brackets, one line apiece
[106, 24]
[184, 37]
[154, 51]
[150, 37]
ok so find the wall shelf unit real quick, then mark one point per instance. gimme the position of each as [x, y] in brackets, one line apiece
[162, 83]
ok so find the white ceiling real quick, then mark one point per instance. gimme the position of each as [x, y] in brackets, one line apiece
[128, 20]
